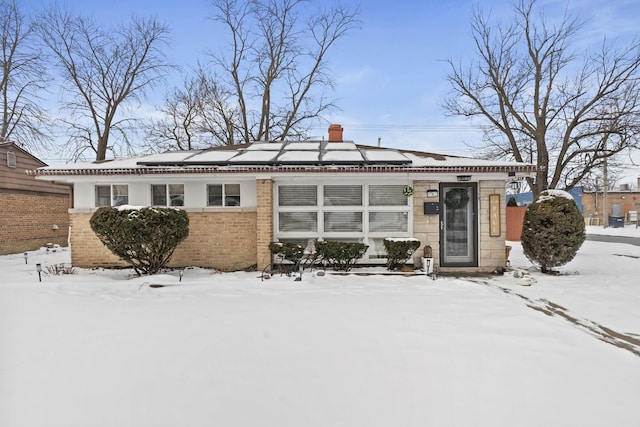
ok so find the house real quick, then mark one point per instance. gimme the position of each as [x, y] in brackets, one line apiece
[241, 198]
[35, 212]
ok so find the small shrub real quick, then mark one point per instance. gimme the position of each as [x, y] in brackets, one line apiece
[59, 269]
[399, 251]
[292, 252]
[144, 238]
[553, 230]
[342, 256]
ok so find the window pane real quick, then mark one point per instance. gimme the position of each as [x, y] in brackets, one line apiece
[159, 195]
[387, 195]
[297, 195]
[388, 221]
[376, 249]
[176, 194]
[343, 221]
[298, 221]
[103, 195]
[232, 194]
[343, 195]
[120, 195]
[214, 195]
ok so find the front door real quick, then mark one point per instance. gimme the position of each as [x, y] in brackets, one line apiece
[458, 225]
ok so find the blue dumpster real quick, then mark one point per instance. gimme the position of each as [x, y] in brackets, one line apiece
[616, 221]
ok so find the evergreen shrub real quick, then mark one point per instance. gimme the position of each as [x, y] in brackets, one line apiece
[145, 238]
[553, 230]
[342, 256]
[399, 251]
[289, 251]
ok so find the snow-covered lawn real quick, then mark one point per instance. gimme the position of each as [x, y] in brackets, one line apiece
[100, 348]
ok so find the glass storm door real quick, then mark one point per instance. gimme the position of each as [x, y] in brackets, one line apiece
[458, 224]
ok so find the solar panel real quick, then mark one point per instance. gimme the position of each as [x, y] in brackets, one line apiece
[302, 146]
[342, 156]
[212, 156]
[257, 156]
[340, 146]
[299, 156]
[270, 146]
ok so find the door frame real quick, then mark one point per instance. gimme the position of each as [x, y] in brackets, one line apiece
[474, 223]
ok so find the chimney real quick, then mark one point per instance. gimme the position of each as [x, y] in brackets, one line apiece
[639, 183]
[335, 133]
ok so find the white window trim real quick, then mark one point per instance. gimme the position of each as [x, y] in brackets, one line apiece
[224, 195]
[111, 194]
[11, 160]
[167, 194]
[365, 236]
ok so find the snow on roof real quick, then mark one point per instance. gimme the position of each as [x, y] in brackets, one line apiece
[288, 153]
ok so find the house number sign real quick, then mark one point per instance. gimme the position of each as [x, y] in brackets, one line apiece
[494, 215]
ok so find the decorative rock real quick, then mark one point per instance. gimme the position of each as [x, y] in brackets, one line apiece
[526, 280]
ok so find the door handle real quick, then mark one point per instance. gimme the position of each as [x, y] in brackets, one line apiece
[441, 225]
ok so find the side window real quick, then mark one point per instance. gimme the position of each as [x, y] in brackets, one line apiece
[232, 194]
[112, 195]
[223, 195]
[159, 195]
[120, 195]
[214, 195]
[103, 195]
[176, 194]
[167, 195]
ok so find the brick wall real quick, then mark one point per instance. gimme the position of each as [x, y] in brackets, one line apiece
[222, 240]
[264, 190]
[492, 249]
[426, 228]
[593, 205]
[27, 221]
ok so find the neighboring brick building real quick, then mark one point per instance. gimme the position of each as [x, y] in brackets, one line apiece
[240, 198]
[34, 212]
[618, 204]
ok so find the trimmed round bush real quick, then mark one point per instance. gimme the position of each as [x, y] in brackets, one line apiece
[399, 251]
[145, 238]
[553, 230]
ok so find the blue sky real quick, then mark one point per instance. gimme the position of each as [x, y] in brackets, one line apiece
[390, 73]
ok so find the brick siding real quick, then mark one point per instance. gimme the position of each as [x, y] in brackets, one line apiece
[264, 190]
[220, 240]
[27, 221]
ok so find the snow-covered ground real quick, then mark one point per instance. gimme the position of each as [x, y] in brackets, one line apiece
[103, 348]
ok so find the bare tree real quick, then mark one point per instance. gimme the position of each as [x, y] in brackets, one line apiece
[269, 82]
[23, 80]
[193, 115]
[541, 104]
[105, 70]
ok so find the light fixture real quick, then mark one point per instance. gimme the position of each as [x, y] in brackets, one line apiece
[26, 256]
[463, 177]
[39, 270]
[54, 227]
[432, 193]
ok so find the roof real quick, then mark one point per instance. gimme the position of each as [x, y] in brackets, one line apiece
[288, 156]
[10, 145]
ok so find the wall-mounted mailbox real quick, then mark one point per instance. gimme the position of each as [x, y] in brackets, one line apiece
[431, 208]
